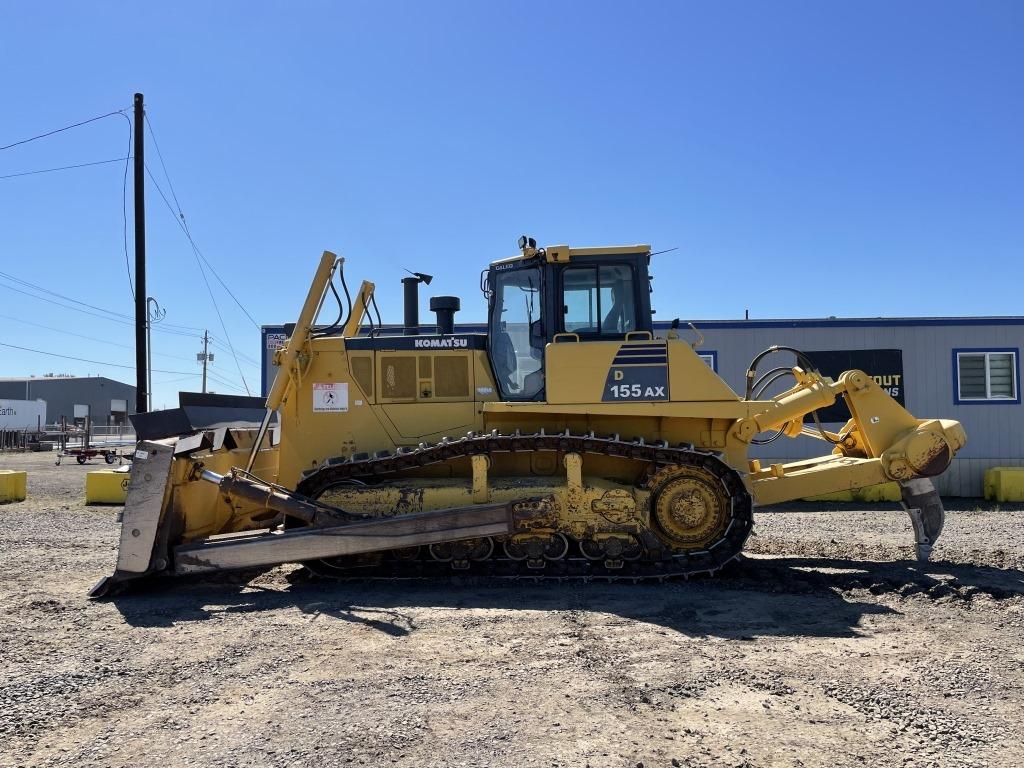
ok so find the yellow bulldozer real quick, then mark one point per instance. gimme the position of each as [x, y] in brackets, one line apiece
[568, 441]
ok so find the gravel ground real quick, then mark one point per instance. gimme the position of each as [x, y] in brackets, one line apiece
[825, 647]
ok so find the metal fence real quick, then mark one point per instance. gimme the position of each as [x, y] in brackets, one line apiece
[64, 436]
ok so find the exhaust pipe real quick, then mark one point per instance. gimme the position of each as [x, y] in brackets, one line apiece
[445, 308]
[411, 292]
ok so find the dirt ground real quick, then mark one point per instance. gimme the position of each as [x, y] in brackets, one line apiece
[825, 647]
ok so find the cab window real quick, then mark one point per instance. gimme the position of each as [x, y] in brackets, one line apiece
[598, 300]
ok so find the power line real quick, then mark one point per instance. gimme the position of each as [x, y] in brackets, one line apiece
[172, 381]
[184, 224]
[80, 359]
[63, 168]
[225, 382]
[245, 358]
[28, 284]
[124, 209]
[160, 155]
[90, 338]
[60, 130]
[202, 272]
[91, 314]
[129, 318]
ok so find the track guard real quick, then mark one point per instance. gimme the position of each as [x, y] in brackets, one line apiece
[924, 505]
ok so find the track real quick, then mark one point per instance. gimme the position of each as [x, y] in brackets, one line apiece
[658, 560]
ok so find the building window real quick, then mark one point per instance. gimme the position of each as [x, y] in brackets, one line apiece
[711, 358]
[986, 376]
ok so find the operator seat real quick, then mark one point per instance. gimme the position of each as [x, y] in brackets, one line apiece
[504, 356]
[616, 320]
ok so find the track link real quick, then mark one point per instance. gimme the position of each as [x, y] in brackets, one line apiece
[659, 562]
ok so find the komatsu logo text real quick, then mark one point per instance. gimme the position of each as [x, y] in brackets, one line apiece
[452, 343]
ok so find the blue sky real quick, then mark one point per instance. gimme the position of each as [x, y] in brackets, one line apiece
[807, 159]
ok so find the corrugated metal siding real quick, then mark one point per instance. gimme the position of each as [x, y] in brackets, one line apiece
[995, 431]
[61, 395]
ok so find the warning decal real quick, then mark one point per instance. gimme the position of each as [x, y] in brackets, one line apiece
[330, 398]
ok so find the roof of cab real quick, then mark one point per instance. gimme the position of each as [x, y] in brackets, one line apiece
[565, 253]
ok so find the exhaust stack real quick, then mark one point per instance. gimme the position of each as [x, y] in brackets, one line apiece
[445, 308]
[411, 291]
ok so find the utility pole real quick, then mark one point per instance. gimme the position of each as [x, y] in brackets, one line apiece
[141, 315]
[205, 356]
[153, 315]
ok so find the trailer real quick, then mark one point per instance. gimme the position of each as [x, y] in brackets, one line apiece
[82, 455]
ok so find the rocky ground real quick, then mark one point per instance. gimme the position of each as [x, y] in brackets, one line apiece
[825, 647]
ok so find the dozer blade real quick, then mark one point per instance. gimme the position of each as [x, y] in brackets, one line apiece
[927, 515]
[143, 512]
[150, 542]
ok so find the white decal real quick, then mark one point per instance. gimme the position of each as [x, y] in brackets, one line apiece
[141, 454]
[485, 390]
[450, 343]
[275, 340]
[330, 398]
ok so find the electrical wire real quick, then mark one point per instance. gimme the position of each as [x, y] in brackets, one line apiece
[90, 338]
[184, 224]
[108, 318]
[224, 382]
[124, 210]
[61, 130]
[119, 315]
[175, 380]
[243, 357]
[202, 273]
[64, 168]
[81, 359]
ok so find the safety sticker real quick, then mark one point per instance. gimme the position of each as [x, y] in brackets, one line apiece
[330, 398]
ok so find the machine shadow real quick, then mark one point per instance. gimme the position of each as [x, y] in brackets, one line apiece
[935, 580]
[762, 597]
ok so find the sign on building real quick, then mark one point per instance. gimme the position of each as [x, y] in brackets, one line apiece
[22, 414]
[885, 366]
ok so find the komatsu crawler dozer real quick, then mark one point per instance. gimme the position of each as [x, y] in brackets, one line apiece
[566, 441]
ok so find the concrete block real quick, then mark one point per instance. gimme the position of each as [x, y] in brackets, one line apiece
[106, 486]
[882, 492]
[841, 496]
[1004, 484]
[13, 485]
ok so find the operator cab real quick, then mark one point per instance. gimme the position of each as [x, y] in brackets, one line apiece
[558, 294]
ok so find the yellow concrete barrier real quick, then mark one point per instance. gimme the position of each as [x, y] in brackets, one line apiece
[1004, 484]
[104, 486]
[13, 485]
[868, 495]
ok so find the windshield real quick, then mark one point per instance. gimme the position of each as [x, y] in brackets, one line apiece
[516, 354]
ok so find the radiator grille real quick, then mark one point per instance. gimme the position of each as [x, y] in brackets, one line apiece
[451, 376]
[398, 377]
[362, 372]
